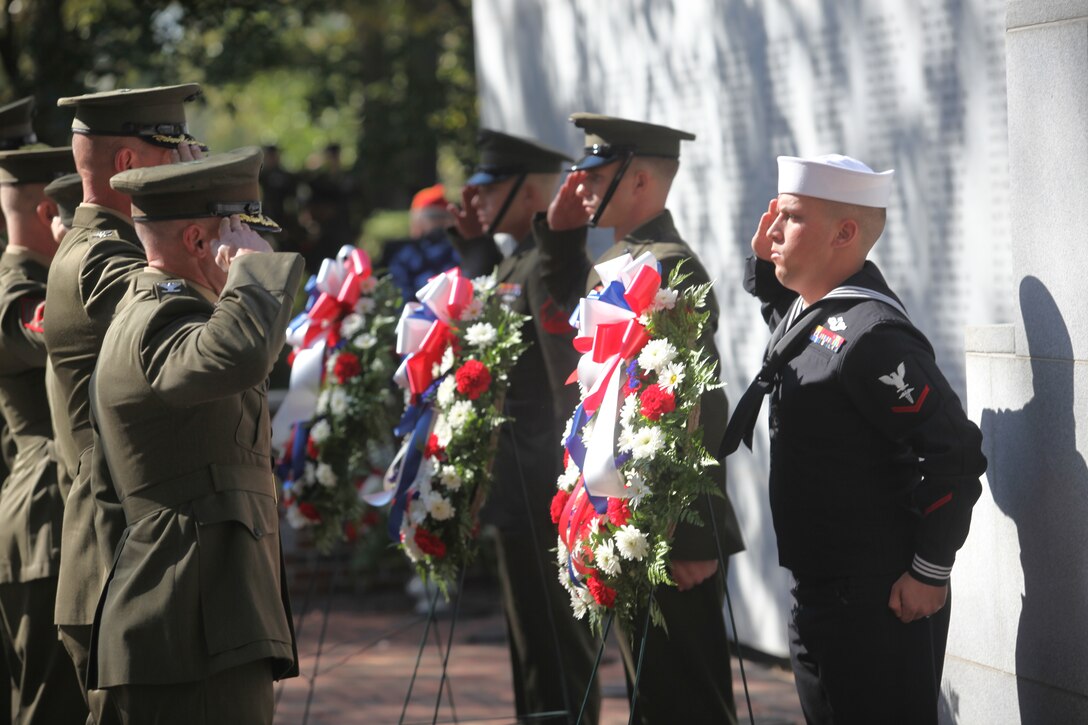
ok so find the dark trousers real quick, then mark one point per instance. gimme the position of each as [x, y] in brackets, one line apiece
[551, 652]
[855, 662]
[44, 685]
[686, 674]
[237, 696]
[76, 639]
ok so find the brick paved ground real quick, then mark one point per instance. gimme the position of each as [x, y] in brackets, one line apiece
[360, 673]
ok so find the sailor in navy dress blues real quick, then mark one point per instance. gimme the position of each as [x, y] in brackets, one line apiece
[874, 465]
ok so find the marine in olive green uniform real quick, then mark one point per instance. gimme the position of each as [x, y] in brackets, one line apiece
[16, 131]
[45, 689]
[117, 129]
[623, 182]
[551, 652]
[194, 623]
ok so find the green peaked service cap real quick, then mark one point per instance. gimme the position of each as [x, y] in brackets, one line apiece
[15, 128]
[38, 165]
[609, 139]
[156, 115]
[217, 186]
[503, 155]
[67, 192]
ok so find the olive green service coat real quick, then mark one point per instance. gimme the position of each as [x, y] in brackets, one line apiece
[88, 277]
[547, 648]
[30, 501]
[41, 680]
[179, 399]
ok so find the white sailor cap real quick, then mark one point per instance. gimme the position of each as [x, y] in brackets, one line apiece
[836, 178]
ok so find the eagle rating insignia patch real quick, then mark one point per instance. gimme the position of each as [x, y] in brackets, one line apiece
[898, 380]
[826, 338]
[171, 286]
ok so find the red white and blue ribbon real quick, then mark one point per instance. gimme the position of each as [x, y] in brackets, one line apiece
[313, 333]
[423, 335]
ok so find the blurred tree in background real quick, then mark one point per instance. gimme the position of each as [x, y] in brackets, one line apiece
[391, 81]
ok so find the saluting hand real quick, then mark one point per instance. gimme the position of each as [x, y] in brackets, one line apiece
[911, 599]
[566, 210]
[465, 219]
[236, 239]
[186, 152]
[761, 242]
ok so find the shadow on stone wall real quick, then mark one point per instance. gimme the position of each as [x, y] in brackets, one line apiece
[1040, 481]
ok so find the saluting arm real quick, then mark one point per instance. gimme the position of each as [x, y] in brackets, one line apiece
[564, 262]
[192, 358]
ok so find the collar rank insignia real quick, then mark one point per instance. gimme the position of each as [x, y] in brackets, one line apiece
[102, 234]
[898, 380]
[826, 338]
[171, 286]
[836, 324]
[508, 292]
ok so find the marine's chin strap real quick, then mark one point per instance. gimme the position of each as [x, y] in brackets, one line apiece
[494, 225]
[628, 157]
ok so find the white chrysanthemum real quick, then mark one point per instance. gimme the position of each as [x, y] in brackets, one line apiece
[424, 476]
[338, 401]
[605, 557]
[447, 361]
[562, 553]
[417, 511]
[446, 390]
[625, 441]
[368, 285]
[351, 325]
[644, 318]
[566, 431]
[295, 518]
[636, 486]
[325, 475]
[323, 402]
[656, 355]
[665, 299]
[484, 283]
[438, 506]
[587, 431]
[408, 540]
[632, 543]
[321, 431]
[563, 574]
[459, 414]
[569, 477]
[364, 306]
[671, 376]
[365, 341]
[481, 334]
[443, 432]
[309, 474]
[377, 365]
[473, 310]
[450, 479]
[647, 442]
[580, 601]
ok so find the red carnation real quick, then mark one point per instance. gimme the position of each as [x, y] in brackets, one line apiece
[618, 513]
[656, 401]
[309, 511]
[430, 544]
[602, 593]
[346, 367]
[559, 502]
[473, 379]
[433, 450]
[312, 450]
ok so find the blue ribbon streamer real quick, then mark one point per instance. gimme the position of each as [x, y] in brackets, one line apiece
[409, 467]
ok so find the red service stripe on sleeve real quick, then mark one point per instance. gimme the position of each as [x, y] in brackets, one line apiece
[913, 408]
[937, 504]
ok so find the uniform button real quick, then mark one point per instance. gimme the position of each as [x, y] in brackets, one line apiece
[258, 531]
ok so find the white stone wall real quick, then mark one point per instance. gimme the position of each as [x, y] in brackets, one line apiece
[1017, 648]
[918, 86]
